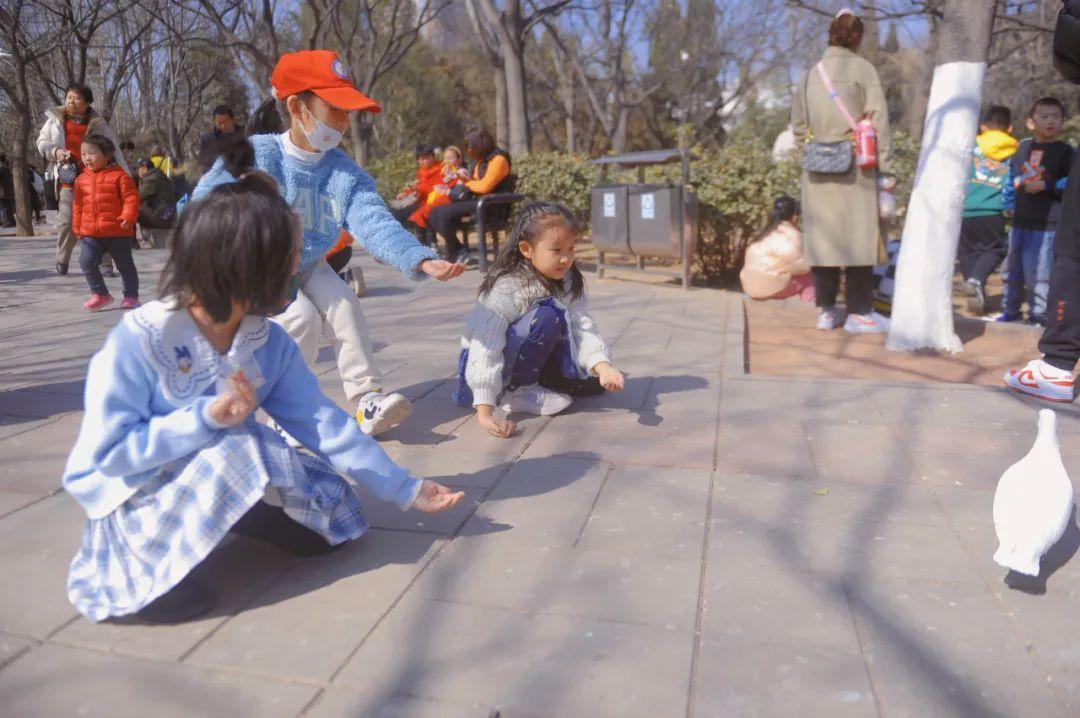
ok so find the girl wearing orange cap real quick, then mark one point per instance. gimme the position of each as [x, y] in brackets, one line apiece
[329, 191]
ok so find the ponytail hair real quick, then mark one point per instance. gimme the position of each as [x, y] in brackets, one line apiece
[272, 116]
[784, 209]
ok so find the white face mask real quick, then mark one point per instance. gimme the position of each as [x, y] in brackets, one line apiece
[323, 137]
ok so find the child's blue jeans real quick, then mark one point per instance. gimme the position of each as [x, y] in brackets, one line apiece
[537, 351]
[1027, 271]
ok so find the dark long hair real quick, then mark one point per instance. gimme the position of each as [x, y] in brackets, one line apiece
[531, 221]
[236, 150]
[784, 209]
[234, 244]
[272, 116]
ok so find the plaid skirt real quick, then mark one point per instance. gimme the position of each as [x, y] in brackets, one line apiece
[152, 541]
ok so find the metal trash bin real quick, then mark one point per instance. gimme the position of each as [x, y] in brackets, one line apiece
[645, 220]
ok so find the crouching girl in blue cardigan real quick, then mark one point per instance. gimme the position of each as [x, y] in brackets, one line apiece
[169, 457]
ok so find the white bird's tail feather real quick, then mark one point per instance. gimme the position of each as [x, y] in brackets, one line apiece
[1012, 558]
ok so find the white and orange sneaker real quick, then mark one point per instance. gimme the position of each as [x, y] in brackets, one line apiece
[1042, 380]
[872, 323]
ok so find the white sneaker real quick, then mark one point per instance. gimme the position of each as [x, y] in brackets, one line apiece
[354, 277]
[535, 399]
[379, 412]
[828, 319]
[872, 323]
[1042, 380]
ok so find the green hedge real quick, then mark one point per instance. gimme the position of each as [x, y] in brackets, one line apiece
[735, 185]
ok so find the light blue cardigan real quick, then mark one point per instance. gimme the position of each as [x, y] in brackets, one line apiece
[328, 195]
[147, 394]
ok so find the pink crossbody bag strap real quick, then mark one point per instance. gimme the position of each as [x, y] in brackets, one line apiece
[835, 97]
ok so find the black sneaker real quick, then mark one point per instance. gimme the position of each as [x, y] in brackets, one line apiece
[61, 269]
[186, 601]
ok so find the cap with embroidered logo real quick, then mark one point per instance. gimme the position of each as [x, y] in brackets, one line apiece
[322, 72]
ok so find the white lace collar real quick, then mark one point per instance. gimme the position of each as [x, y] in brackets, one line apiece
[184, 359]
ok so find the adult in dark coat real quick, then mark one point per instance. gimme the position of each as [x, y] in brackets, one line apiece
[224, 124]
[157, 203]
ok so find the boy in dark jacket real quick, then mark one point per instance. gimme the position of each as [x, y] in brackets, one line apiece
[1037, 177]
[1051, 377]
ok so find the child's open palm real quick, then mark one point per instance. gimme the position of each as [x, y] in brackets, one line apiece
[435, 498]
[236, 404]
[441, 269]
[610, 378]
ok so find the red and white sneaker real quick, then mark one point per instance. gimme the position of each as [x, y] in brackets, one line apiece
[97, 302]
[1041, 380]
[872, 323]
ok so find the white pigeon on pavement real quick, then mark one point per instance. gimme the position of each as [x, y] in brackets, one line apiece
[1033, 503]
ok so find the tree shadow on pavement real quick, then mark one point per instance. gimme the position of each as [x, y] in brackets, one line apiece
[291, 577]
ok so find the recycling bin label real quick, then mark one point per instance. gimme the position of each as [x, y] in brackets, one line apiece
[609, 204]
[648, 206]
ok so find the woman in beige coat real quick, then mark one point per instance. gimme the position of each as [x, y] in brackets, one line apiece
[840, 211]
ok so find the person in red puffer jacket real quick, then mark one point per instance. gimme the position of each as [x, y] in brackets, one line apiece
[106, 207]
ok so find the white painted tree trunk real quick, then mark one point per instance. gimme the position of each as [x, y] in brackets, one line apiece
[922, 315]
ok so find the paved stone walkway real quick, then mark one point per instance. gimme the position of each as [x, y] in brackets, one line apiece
[704, 544]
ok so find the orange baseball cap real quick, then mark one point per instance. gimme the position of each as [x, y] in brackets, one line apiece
[322, 72]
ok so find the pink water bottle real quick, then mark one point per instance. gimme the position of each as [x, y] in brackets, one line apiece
[865, 144]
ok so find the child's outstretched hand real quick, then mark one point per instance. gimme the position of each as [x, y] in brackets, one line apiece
[441, 269]
[610, 378]
[235, 405]
[434, 498]
[495, 426]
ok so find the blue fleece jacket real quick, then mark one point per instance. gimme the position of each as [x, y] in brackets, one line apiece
[147, 394]
[332, 193]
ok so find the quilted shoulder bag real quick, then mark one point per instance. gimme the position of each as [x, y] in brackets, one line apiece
[828, 158]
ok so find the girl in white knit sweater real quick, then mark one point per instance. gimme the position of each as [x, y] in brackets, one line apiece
[530, 345]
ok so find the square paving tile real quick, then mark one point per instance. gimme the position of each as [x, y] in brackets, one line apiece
[339, 703]
[307, 624]
[37, 544]
[747, 676]
[497, 570]
[536, 664]
[646, 511]
[946, 649]
[822, 502]
[58, 681]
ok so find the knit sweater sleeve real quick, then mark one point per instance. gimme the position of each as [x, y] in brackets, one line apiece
[487, 325]
[120, 442]
[296, 403]
[370, 222]
[591, 349]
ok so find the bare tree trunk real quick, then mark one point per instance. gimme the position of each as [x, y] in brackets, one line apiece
[24, 221]
[502, 119]
[917, 112]
[360, 125]
[516, 105]
[922, 306]
[566, 97]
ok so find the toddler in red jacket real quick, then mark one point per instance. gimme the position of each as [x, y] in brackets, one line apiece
[104, 213]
